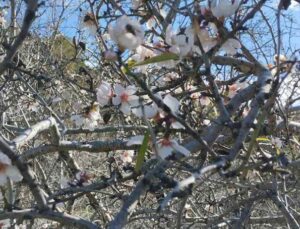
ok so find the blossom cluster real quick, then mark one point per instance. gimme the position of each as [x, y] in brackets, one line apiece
[128, 34]
[82, 178]
[127, 100]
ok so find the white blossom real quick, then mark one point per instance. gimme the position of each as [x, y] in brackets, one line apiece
[147, 111]
[174, 105]
[135, 140]
[223, 8]
[127, 33]
[7, 170]
[277, 142]
[231, 46]
[127, 156]
[104, 93]
[181, 42]
[89, 22]
[142, 53]
[166, 146]
[207, 41]
[125, 97]
[282, 58]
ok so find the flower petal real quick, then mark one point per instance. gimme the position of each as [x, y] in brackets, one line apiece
[116, 100]
[14, 174]
[125, 108]
[177, 125]
[181, 149]
[172, 103]
[164, 152]
[135, 140]
[3, 179]
[131, 89]
[119, 89]
[4, 159]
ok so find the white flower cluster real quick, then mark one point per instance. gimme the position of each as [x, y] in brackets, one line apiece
[181, 42]
[128, 101]
[165, 146]
[127, 33]
[117, 95]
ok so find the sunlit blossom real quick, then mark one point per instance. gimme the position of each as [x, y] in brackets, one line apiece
[223, 8]
[231, 46]
[277, 142]
[127, 33]
[89, 22]
[125, 97]
[181, 42]
[104, 93]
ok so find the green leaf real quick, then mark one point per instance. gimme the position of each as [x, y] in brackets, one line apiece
[262, 139]
[156, 59]
[142, 152]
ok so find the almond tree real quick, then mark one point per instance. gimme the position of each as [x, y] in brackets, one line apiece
[149, 114]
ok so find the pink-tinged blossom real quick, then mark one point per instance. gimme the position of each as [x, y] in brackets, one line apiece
[234, 89]
[167, 146]
[127, 33]
[7, 170]
[104, 93]
[147, 111]
[5, 223]
[223, 8]
[125, 97]
[127, 156]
